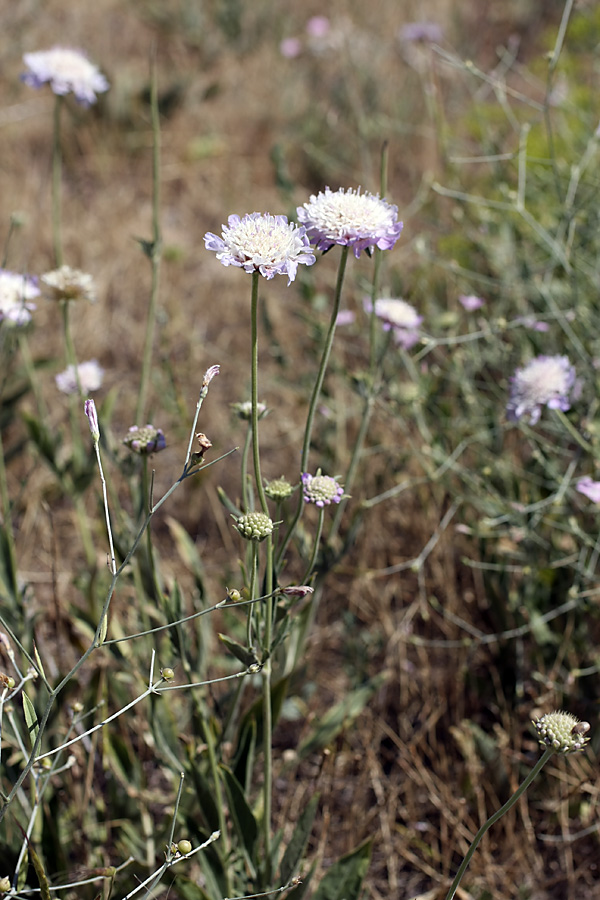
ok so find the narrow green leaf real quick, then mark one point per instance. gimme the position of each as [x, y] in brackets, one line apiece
[247, 657]
[343, 881]
[38, 660]
[39, 871]
[188, 551]
[297, 845]
[340, 716]
[243, 817]
[31, 719]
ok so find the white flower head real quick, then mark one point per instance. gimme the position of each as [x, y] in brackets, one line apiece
[399, 317]
[545, 381]
[351, 219]
[90, 375]
[69, 284]
[262, 243]
[16, 293]
[67, 71]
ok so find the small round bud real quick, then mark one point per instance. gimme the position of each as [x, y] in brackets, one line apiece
[254, 526]
[234, 595]
[6, 681]
[279, 489]
[184, 847]
[77, 707]
[168, 674]
[4, 885]
[562, 732]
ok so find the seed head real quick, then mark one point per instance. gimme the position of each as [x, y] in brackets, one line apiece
[254, 526]
[562, 731]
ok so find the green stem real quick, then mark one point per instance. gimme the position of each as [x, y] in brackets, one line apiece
[315, 552]
[573, 432]
[312, 407]
[8, 527]
[244, 468]
[268, 715]
[255, 443]
[154, 252]
[56, 185]
[497, 815]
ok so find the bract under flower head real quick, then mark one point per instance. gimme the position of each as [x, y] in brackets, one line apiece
[69, 284]
[16, 293]
[545, 381]
[145, 440]
[66, 71]
[351, 219]
[322, 490]
[262, 243]
[399, 317]
[90, 376]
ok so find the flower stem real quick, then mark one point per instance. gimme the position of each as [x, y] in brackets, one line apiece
[56, 185]
[255, 443]
[498, 815]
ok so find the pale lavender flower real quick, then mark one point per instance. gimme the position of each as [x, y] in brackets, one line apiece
[16, 293]
[352, 219]
[145, 440]
[589, 487]
[262, 243]
[545, 381]
[322, 490]
[470, 302]
[532, 322]
[67, 71]
[290, 47]
[69, 284]
[345, 317]
[89, 407]
[318, 26]
[90, 375]
[421, 32]
[399, 317]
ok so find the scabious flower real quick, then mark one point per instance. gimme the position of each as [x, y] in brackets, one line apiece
[66, 71]
[399, 317]
[243, 410]
[254, 526]
[322, 490]
[90, 375]
[589, 487]
[349, 218]
[421, 32]
[562, 731]
[318, 26]
[279, 489]
[290, 47]
[262, 243]
[470, 302]
[545, 381]
[145, 440]
[89, 407]
[16, 293]
[69, 284]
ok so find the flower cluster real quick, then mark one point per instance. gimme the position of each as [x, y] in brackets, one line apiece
[351, 219]
[262, 243]
[69, 284]
[66, 71]
[400, 318]
[254, 526]
[87, 375]
[16, 293]
[279, 489]
[562, 731]
[322, 490]
[545, 381]
[145, 440]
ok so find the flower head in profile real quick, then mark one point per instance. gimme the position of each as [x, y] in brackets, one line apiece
[254, 526]
[545, 381]
[470, 302]
[145, 440]
[16, 293]
[69, 284]
[351, 219]
[262, 243]
[589, 488]
[562, 732]
[66, 71]
[322, 490]
[89, 374]
[400, 318]
[243, 410]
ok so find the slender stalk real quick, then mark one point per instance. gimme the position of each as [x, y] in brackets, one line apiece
[154, 251]
[313, 558]
[56, 185]
[498, 815]
[255, 442]
[316, 392]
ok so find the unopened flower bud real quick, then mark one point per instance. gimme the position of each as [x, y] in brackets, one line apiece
[168, 674]
[562, 732]
[184, 847]
[7, 681]
[244, 410]
[279, 489]
[145, 440]
[89, 407]
[4, 885]
[254, 526]
[234, 595]
[297, 590]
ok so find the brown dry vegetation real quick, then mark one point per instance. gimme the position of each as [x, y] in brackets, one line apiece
[443, 743]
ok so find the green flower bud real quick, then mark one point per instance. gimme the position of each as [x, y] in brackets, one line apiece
[234, 595]
[168, 674]
[4, 885]
[184, 847]
[255, 526]
[562, 731]
[279, 489]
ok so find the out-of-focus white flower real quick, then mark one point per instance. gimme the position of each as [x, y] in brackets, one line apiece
[66, 71]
